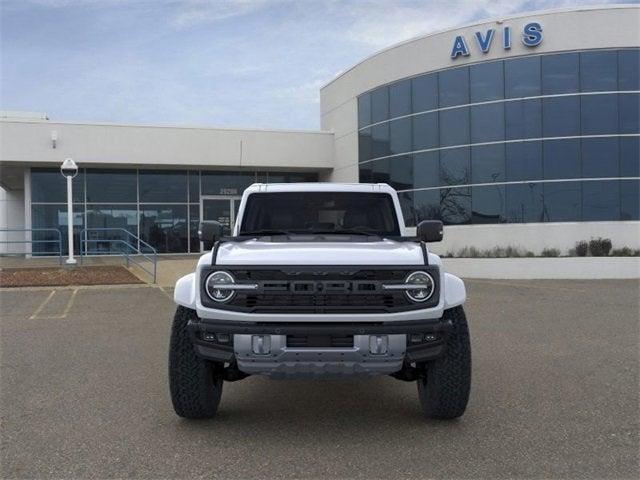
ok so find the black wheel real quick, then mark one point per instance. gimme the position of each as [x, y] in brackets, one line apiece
[444, 387]
[195, 384]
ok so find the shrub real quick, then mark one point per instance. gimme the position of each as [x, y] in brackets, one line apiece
[550, 252]
[624, 252]
[600, 247]
[582, 248]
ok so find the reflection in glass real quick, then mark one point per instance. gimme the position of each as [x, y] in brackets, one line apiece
[629, 113]
[562, 201]
[380, 140]
[599, 71]
[380, 170]
[364, 110]
[561, 116]
[600, 201]
[629, 69]
[55, 216]
[427, 205]
[455, 205]
[401, 172]
[629, 200]
[194, 186]
[560, 73]
[454, 87]
[523, 119]
[400, 99]
[524, 203]
[454, 127]
[487, 123]
[487, 81]
[488, 204]
[561, 159]
[400, 135]
[455, 166]
[365, 145]
[225, 183]
[630, 157]
[194, 223]
[114, 218]
[424, 92]
[522, 77]
[48, 185]
[599, 114]
[163, 186]
[164, 227]
[380, 104]
[426, 169]
[425, 131]
[487, 164]
[523, 161]
[365, 173]
[112, 186]
[600, 157]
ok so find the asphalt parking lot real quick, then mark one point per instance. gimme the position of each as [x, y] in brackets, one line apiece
[555, 395]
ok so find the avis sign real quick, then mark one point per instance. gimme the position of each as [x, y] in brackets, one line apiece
[531, 37]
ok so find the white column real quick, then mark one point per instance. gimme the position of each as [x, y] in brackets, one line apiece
[70, 260]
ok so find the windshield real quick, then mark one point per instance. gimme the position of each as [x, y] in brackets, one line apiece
[320, 212]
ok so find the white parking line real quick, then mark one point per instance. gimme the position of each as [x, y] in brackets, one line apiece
[36, 315]
[39, 309]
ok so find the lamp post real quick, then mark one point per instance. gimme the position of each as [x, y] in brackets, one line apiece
[69, 169]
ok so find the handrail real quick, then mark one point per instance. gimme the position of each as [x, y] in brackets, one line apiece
[32, 241]
[126, 251]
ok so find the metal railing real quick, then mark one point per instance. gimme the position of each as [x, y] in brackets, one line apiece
[31, 241]
[130, 247]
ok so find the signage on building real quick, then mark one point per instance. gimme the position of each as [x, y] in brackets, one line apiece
[531, 37]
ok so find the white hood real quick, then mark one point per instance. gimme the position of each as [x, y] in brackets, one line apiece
[385, 252]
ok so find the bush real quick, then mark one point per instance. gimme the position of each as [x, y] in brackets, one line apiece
[600, 247]
[550, 252]
[624, 252]
[581, 248]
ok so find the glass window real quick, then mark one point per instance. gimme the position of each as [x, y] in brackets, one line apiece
[401, 172]
[629, 69]
[524, 203]
[49, 186]
[380, 104]
[629, 200]
[426, 170]
[455, 205]
[487, 123]
[455, 166]
[194, 186]
[600, 157]
[523, 161]
[454, 87]
[365, 145]
[427, 205]
[523, 119]
[487, 81]
[112, 186]
[425, 131]
[562, 202]
[424, 92]
[487, 204]
[380, 140]
[600, 201]
[630, 156]
[561, 116]
[560, 73]
[364, 110]
[194, 223]
[561, 159]
[163, 186]
[599, 71]
[380, 170]
[487, 164]
[116, 218]
[226, 183]
[522, 77]
[55, 216]
[400, 135]
[400, 98]
[454, 127]
[629, 112]
[365, 172]
[599, 114]
[164, 227]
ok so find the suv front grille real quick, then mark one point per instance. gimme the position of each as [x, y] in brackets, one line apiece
[319, 341]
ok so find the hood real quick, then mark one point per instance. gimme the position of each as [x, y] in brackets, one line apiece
[256, 252]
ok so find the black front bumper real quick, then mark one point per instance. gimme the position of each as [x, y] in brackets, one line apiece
[415, 353]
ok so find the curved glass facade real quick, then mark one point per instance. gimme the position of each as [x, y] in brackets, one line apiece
[544, 138]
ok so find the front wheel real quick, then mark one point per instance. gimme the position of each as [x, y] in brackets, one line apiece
[446, 382]
[195, 384]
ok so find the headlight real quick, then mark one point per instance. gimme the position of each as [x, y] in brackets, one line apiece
[214, 286]
[425, 286]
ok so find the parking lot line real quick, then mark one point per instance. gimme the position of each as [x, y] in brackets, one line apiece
[42, 305]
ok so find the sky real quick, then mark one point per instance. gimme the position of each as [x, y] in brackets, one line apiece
[220, 63]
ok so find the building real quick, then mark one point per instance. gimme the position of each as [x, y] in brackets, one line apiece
[519, 131]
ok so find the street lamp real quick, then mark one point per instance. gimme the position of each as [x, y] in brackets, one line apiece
[69, 169]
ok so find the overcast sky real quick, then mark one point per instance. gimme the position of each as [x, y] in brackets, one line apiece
[244, 63]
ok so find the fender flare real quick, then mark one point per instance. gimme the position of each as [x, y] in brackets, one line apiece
[185, 291]
[455, 292]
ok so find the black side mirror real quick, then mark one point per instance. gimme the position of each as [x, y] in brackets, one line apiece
[209, 233]
[430, 231]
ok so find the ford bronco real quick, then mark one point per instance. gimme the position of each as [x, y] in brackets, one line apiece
[319, 280]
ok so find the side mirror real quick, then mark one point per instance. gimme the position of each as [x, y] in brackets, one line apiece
[209, 233]
[430, 231]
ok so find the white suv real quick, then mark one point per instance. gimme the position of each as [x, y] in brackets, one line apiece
[319, 280]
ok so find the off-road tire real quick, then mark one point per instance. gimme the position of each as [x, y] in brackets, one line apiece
[195, 383]
[444, 388]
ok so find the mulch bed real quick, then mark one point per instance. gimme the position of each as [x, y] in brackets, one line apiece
[55, 276]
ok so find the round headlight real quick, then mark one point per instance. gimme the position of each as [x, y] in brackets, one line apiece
[425, 286]
[215, 286]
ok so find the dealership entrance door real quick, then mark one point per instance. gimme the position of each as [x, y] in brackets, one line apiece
[218, 208]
